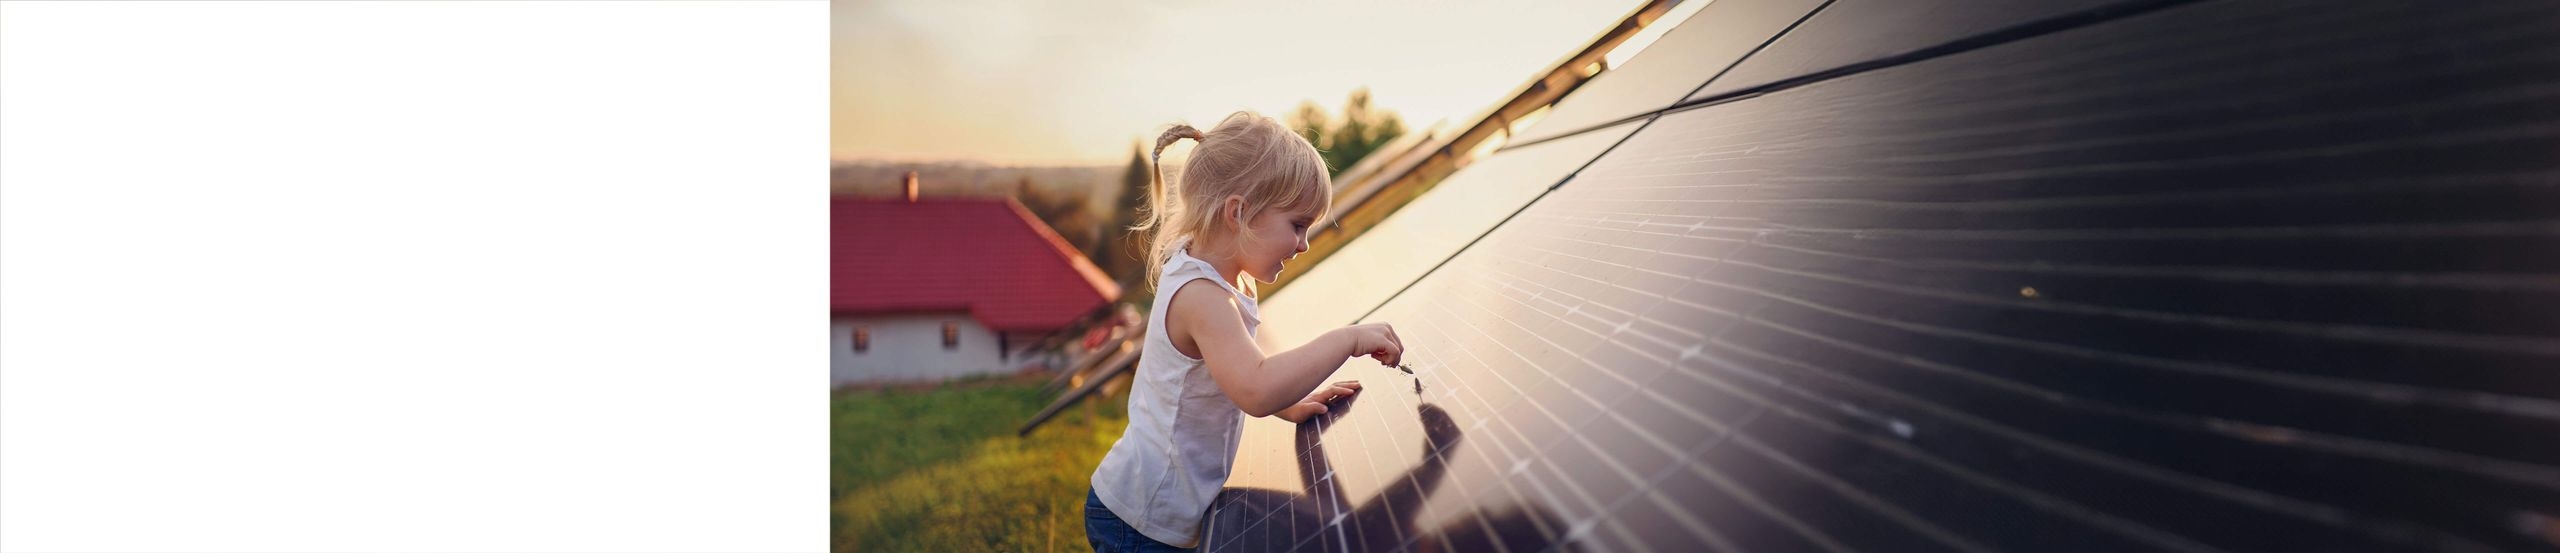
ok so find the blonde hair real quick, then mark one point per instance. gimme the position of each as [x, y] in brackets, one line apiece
[1249, 155]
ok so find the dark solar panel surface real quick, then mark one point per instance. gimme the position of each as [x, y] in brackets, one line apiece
[2221, 275]
[1853, 31]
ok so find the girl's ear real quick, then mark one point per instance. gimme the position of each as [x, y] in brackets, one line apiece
[1234, 209]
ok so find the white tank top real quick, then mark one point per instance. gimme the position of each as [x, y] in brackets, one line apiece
[1183, 431]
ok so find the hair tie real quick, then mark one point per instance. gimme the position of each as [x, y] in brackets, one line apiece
[1177, 133]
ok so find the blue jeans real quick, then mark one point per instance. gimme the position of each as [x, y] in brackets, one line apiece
[1109, 534]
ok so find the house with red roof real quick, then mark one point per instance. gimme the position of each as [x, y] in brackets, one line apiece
[933, 289]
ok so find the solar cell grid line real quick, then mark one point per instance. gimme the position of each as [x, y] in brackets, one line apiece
[2500, 282]
[1488, 464]
[2347, 389]
[2381, 336]
[1532, 462]
[1746, 351]
[2359, 492]
[2039, 500]
[1842, 406]
[2346, 190]
[1413, 503]
[1690, 520]
[1807, 536]
[2503, 100]
[2256, 98]
[1431, 452]
[2274, 29]
[1550, 450]
[1349, 435]
[1374, 441]
[1515, 463]
[1669, 505]
[1335, 506]
[2389, 335]
[1373, 438]
[1672, 449]
[1608, 245]
[1572, 489]
[1566, 385]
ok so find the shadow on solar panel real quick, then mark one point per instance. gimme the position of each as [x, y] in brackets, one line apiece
[2041, 276]
[1269, 519]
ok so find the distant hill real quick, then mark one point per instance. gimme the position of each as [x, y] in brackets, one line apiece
[882, 179]
[1072, 199]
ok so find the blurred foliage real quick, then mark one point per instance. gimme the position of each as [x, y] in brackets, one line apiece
[1349, 137]
[941, 470]
[1124, 252]
[1068, 212]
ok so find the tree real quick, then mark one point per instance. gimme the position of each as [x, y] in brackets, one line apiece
[1361, 130]
[1065, 212]
[1124, 252]
[1312, 123]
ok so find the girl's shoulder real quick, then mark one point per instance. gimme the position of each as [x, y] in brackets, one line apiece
[1191, 313]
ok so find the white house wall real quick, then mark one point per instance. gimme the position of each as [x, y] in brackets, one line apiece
[908, 348]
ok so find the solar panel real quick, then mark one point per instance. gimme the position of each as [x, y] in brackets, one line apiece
[1706, 43]
[2230, 275]
[1847, 32]
[1424, 232]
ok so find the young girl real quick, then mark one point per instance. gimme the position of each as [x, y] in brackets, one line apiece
[1248, 197]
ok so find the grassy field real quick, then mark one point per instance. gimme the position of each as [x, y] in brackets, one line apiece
[940, 469]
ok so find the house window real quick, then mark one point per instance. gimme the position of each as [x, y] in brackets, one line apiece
[861, 339]
[950, 335]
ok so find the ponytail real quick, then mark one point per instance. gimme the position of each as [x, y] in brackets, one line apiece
[1158, 211]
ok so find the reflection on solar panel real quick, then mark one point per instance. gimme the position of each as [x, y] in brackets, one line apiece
[2219, 275]
[1421, 234]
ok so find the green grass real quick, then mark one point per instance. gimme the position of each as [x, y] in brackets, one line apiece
[941, 469]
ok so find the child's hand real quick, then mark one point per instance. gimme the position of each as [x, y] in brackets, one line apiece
[1376, 341]
[1315, 402]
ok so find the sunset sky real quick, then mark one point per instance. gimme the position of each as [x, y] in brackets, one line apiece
[1078, 82]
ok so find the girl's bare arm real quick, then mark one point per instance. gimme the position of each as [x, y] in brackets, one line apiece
[1263, 384]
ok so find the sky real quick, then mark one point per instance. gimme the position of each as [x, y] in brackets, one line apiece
[1038, 83]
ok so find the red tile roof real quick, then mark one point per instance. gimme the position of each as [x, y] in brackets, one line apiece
[989, 257]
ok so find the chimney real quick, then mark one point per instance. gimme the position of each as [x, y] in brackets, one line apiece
[911, 187]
